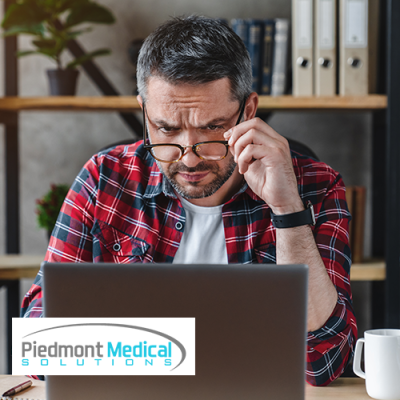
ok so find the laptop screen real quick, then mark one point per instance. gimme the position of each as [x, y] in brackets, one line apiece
[250, 326]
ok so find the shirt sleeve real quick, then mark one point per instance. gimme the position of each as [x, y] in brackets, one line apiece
[330, 348]
[71, 240]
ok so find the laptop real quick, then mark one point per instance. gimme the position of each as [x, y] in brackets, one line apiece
[250, 326]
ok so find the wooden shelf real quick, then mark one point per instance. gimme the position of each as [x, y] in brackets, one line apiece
[129, 103]
[368, 271]
[350, 103]
[26, 266]
[17, 266]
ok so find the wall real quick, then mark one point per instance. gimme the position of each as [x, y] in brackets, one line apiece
[55, 145]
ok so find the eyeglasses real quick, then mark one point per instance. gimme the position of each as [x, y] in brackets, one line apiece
[214, 150]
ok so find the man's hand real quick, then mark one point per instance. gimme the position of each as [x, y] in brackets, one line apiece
[263, 157]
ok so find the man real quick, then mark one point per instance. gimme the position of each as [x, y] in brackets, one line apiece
[212, 183]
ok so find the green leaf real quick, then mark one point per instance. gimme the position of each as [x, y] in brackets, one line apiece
[37, 30]
[52, 53]
[23, 53]
[30, 52]
[54, 6]
[64, 5]
[87, 57]
[45, 43]
[48, 207]
[89, 12]
[51, 4]
[74, 34]
[23, 15]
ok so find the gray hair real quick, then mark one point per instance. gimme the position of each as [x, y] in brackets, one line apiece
[195, 50]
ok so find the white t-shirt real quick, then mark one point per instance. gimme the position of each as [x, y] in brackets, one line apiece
[203, 240]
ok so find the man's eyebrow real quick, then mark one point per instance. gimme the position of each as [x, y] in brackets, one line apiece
[216, 121]
[161, 122]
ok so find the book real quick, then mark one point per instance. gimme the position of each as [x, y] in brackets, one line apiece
[267, 54]
[241, 28]
[267, 43]
[256, 32]
[356, 201]
[280, 57]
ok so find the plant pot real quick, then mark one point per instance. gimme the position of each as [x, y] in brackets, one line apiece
[62, 82]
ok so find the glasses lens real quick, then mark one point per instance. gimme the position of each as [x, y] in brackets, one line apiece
[211, 151]
[166, 153]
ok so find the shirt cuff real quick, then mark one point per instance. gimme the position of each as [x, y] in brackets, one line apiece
[333, 332]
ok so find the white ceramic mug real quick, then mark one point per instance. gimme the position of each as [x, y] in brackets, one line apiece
[382, 363]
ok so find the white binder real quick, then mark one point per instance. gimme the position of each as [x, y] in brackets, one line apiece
[353, 71]
[325, 47]
[302, 53]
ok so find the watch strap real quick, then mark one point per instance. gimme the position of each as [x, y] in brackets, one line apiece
[305, 217]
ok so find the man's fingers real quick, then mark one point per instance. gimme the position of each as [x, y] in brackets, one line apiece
[233, 134]
[270, 145]
[251, 153]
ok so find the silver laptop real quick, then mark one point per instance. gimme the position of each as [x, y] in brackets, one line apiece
[259, 311]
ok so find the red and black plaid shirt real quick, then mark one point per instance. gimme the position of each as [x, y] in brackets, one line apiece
[121, 210]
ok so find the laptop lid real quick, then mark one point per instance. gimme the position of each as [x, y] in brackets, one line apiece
[250, 326]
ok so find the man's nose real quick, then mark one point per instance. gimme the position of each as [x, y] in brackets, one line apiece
[189, 158]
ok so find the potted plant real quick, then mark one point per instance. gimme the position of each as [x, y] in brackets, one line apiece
[53, 23]
[48, 207]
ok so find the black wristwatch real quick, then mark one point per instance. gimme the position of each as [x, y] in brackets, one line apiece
[305, 217]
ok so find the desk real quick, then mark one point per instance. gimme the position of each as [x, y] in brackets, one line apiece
[343, 389]
[12, 269]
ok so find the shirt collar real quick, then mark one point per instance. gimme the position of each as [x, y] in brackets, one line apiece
[157, 183]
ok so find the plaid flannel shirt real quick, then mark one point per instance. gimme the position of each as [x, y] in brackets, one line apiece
[121, 210]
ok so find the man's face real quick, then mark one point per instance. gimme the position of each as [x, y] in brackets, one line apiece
[188, 114]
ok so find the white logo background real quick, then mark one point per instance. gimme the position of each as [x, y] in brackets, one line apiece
[103, 346]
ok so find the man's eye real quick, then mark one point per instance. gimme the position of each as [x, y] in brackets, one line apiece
[166, 129]
[215, 127]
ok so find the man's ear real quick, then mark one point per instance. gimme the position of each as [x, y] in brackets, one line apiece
[140, 100]
[251, 106]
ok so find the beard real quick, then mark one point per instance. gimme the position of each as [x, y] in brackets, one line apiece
[194, 190]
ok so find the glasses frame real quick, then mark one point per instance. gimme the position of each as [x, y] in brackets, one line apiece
[149, 147]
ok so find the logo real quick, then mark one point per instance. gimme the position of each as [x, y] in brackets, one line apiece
[103, 346]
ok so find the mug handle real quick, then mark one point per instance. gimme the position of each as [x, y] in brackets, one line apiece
[357, 358]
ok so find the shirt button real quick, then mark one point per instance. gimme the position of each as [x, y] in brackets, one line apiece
[117, 247]
[179, 226]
